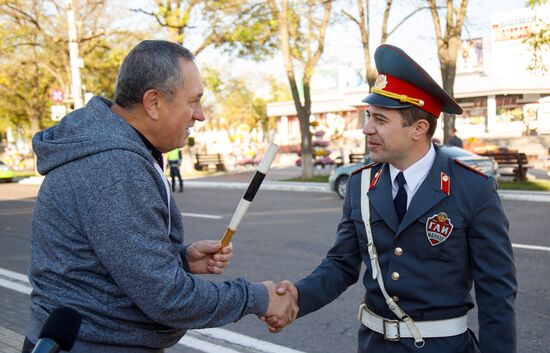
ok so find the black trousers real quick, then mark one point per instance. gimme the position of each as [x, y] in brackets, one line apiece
[175, 173]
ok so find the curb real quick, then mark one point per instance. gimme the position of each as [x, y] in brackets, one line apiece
[516, 195]
[268, 185]
[509, 195]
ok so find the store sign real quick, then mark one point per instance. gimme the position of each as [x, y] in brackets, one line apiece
[507, 101]
[513, 29]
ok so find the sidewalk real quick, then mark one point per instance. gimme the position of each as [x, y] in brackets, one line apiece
[275, 176]
[10, 341]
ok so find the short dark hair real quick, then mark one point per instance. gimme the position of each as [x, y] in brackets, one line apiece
[152, 64]
[412, 114]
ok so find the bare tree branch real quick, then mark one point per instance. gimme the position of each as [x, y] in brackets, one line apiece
[348, 15]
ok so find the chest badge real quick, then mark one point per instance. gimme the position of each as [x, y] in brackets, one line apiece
[438, 228]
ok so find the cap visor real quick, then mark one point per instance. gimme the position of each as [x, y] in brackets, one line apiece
[381, 101]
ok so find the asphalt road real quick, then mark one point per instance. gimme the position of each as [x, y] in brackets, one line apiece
[285, 235]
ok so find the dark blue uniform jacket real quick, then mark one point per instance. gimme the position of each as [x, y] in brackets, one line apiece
[434, 280]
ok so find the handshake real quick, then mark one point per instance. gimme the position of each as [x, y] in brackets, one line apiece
[283, 305]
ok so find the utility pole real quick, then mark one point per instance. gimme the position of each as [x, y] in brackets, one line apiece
[76, 85]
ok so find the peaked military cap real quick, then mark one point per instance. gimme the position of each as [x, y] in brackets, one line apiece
[402, 83]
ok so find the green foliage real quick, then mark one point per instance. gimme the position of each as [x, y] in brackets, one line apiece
[538, 41]
[535, 185]
[101, 65]
[249, 31]
[314, 179]
[280, 91]
[232, 104]
[35, 56]
[239, 26]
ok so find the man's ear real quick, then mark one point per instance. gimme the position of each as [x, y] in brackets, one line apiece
[421, 128]
[151, 103]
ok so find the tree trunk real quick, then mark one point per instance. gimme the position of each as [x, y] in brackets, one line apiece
[448, 78]
[303, 116]
[448, 42]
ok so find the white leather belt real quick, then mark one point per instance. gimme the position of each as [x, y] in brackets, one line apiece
[393, 330]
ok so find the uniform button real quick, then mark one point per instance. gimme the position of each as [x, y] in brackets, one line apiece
[398, 251]
[395, 276]
[395, 298]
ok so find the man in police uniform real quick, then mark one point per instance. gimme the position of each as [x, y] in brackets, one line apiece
[426, 227]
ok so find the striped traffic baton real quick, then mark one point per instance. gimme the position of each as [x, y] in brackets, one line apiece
[248, 196]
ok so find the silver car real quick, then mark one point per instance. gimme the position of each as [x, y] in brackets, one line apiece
[339, 177]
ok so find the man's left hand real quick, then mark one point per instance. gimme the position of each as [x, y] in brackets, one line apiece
[202, 258]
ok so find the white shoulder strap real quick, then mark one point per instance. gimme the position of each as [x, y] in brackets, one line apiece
[375, 265]
[365, 212]
[163, 177]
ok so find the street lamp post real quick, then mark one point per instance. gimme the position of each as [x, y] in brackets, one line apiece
[76, 85]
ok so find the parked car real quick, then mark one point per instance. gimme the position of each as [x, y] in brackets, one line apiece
[339, 177]
[5, 172]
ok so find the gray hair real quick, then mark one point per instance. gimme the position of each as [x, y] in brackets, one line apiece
[152, 64]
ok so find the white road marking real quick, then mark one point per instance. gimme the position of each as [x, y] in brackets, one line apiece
[15, 275]
[191, 340]
[21, 288]
[201, 215]
[22, 200]
[244, 341]
[531, 247]
[204, 346]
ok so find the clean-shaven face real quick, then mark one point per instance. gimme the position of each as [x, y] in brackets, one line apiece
[388, 140]
[179, 115]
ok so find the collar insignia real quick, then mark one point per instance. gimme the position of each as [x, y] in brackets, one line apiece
[375, 179]
[445, 184]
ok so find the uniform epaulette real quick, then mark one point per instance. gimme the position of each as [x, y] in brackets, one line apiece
[472, 168]
[370, 165]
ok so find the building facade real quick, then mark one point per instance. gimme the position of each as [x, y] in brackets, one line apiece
[500, 96]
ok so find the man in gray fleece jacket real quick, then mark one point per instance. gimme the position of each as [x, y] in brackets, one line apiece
[107, 236]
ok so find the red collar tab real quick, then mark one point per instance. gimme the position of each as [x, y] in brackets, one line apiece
[396, 86]
[445, 184]
[375, 179]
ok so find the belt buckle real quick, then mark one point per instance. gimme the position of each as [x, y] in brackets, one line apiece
[385, 324]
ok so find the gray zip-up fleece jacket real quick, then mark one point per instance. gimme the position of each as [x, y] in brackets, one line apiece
[100, 242]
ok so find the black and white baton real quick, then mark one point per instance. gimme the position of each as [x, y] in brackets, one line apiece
[248, 196]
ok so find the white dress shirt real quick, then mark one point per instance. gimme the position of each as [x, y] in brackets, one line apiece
[414, 175]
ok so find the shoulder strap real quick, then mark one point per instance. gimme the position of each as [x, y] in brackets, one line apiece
[375, 265]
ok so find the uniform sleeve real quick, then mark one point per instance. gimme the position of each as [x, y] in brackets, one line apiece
[494, 273]
[127, 229]
[339, 269]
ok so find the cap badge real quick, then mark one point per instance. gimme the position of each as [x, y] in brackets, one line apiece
[438, 228]
[381, 82]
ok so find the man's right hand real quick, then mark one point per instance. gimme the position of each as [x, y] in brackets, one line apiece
[283, 305]
[282, 309]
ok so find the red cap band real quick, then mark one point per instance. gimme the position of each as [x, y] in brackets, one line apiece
[398, 86]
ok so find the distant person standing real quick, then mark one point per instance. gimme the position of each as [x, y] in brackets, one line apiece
[174, 160]
[455, 140]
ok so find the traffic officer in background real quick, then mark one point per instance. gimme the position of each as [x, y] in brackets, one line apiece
[174, 161]
[426, 226]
